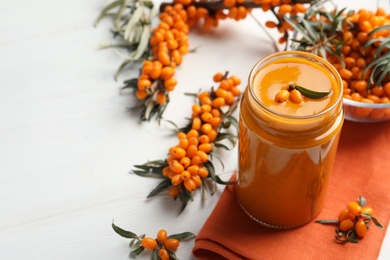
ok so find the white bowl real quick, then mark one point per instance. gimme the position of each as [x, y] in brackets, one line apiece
[365, 112]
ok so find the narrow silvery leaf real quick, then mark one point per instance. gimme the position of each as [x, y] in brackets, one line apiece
[106, 9]
[133, 21]
[310, 93]
[143, 44]
[122, 232]
[119, 15]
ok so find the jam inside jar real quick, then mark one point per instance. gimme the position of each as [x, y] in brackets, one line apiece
[286, 150]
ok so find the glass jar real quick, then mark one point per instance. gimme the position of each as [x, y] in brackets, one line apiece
[286, 150]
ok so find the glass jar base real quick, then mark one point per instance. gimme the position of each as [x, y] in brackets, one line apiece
[280, 227]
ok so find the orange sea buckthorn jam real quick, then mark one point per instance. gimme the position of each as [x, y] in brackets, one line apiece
[286, 150]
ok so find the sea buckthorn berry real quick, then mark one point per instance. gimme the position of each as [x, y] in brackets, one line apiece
[161, 98]
[203, 156]
[361, 228]
[173, 191]
[229, 98]
[177, 179]
[218, 77]
[345, 214]
[368, 211]
[176, 166]
[193, 141]
[354, 208]
[345, 74]
[183, 143]
[270, 24]
[195, 160]
[192, 133]
[203, 172]
[236, 80]
[172, 244]
[207, 147]
[212, 135]
[178, 152]
[296, 96]
[141, 94]
[197, 180]
[215, 121]
[162, 236]
[206, 117]
[185, 161]
[196, 123]
[206, 128]
[346, 225]
[204, 139]
[356, 96]
[221, 93]
[181, 135]
[206, 108]
[196, 109]
[163, 254]
[360, 85]
[170, 84]
[282, 96]
[189, 184]
[149, 243]
[235, 91]
[167, 72]
[185, 175]
[144, 83]
[193, 169]
[191, 151]
[165, 171]
[216, 112]
[218, 102]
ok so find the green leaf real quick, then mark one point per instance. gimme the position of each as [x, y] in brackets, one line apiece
[149, 174]
[219, 145]
[137, 251]
[135, 18]
[183, 236]
[155, 255]
[362, 201]
[123, 233]
[376, 222]
[215, 177]
[106, 9]
[163, 185]
[327, 221]
[311, 93]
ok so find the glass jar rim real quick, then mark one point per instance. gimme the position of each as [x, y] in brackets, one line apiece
[308, 56]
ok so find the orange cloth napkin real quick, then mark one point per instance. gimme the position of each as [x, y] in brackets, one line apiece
[362, 167]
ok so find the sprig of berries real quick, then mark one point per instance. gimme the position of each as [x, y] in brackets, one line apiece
[188, 164]
[163, 246]
[353, 221]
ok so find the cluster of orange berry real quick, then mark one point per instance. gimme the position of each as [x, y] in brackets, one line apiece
[162, 243]
[186, 161]
[163, 246]
[357, 55]
[353, 221]
[294, 95]
[169, 42]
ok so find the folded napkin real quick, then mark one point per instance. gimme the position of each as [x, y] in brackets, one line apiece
[362, 167]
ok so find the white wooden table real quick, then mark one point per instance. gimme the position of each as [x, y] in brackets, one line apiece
[68, 143]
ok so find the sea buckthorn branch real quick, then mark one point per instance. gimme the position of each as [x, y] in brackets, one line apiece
[163, 247]
[357, 44]
[353, 221]
[188, 165]
[160, 50]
